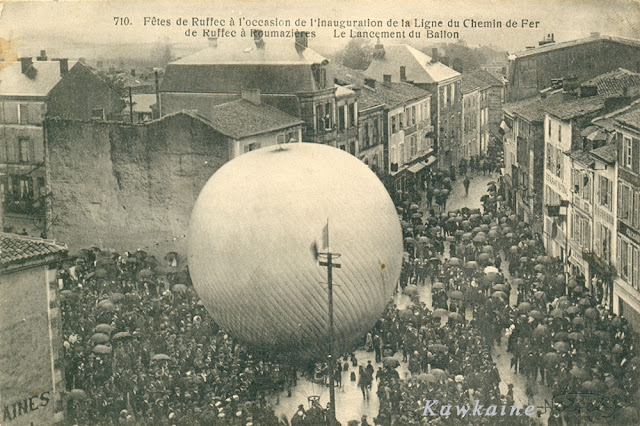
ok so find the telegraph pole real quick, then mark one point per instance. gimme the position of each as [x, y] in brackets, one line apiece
[332, 360]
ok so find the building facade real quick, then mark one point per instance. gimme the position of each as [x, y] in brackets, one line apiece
[30, 91]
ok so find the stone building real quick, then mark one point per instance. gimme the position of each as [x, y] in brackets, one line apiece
[403, 63]
[30, 91]
[534, 69]
[32, 379]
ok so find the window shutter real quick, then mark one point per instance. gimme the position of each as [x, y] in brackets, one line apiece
[635, 155]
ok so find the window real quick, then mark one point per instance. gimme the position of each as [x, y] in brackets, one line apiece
[414, 147]
[97, 114]
[636, 209]
[292, 136]
[605, 192]
[23, 113]
[252, 146]
[550, 157]
[281, 138]
[401, 150]
[549, 129]
[445, 95]
[453, 93]
[342, 122]
[625, 201]
[629, 262]
[24, 148]
[627, 152]
[393, 155]
[365, 134]
[376, 131]
[400, 121]
[403, 73]
[413, 115]
[352, 115]
[394, 124]
[352, 148]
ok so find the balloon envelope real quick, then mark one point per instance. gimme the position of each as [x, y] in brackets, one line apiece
[254, 234]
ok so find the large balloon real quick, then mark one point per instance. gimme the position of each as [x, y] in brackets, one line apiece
[250, 248]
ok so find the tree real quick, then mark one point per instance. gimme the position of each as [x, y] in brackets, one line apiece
[162, 53]
[356, 54]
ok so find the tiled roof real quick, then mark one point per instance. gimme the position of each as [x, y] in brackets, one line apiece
[240, 119]
[389, 94]
[631, 117]
[571, 43]
[608, 121]
[614, 83]
[531, 109]
[577, 107]
[471, 83]
[18, 248]
[581, 156]
[43, 78]
[607, 153]
[236, 64]
[491, 79]
[419, 67]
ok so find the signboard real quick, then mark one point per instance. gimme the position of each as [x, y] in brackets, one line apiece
[629, 232]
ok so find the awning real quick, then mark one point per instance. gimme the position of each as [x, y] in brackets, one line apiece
[417, 167]
[431, 160]
[504, 126]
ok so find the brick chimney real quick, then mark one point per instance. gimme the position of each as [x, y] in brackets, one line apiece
[43, 55]
[386, 78]
[371, 82]
[64, 66]
[434, 53]
[251, 95]
[257, 39]
[302, 41]
[133, 72]
[26, 64]
[378, 51]
[213, 41]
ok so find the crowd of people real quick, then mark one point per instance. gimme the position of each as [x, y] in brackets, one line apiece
[139, 347]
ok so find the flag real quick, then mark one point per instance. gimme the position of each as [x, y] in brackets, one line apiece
[325, 235]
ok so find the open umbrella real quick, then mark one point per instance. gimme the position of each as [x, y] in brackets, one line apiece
[493, 234]
[499, 287]
[459, 233]
[524, 307]
[577, 336]
[410, 290]
[99, 338]
[103, 328]
[577, 321]
[454, 261]
[487, 249]
[578, 373]
[472, 264]
[551, 359]
[584, 302]
[78, 394]
[540, 295]
[541, 331]
[121, 335]
[467, 236]
[557, 313]
[513, 249]
[423, 240]
[416, 216]
[484, 257]
[561, 346]
[560, 279]
[106, 305]
[160, 357]
[500, 294]
[450, 238]
[591, 313]
[440, 313]
[178, 288]
[456, 294]
[102, 349]
[491, 270]
[572, 310]
[406, 314]
[409, 240]
[539, 267]
[414, 206]
[536, 314]
[427, 378]
[438, 286]
[116, 297]
[440, 374]
[439, 348]
[390, 362]
[561, 336]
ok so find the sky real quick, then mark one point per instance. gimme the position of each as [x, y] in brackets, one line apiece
[31, 26]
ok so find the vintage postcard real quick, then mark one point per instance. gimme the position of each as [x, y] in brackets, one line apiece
[360, 212]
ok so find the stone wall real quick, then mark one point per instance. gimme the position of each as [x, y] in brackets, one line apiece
[126, 186]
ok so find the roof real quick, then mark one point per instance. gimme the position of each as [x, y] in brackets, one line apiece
[470, 83]
[487, 77]
[568, 109]
[571, 43]
[389, 94]
[234, 51]
[143, 102]
[615, 83]
[420, 68]
[581, 156]
[531, 109]
[241, 118]
[607, 153]
[608, 121]
[631, 117]
[18, 248]
[14, 83]
[342, 92]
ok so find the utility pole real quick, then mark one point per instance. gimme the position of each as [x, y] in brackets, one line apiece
[130, 106]
[332, 360]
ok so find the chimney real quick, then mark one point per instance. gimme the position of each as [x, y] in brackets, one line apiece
[26, 64]
[434, 53]
[370, 82]
[587, 91]
[302, 40]
[556, 83]
[251, 95]
[213, 41]
[403, 73]
[158, 105]
[64, 66]
[43, 55]
[133, 72]
[386, 78]
[378, 51]
[570, 83]
[257, 38]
